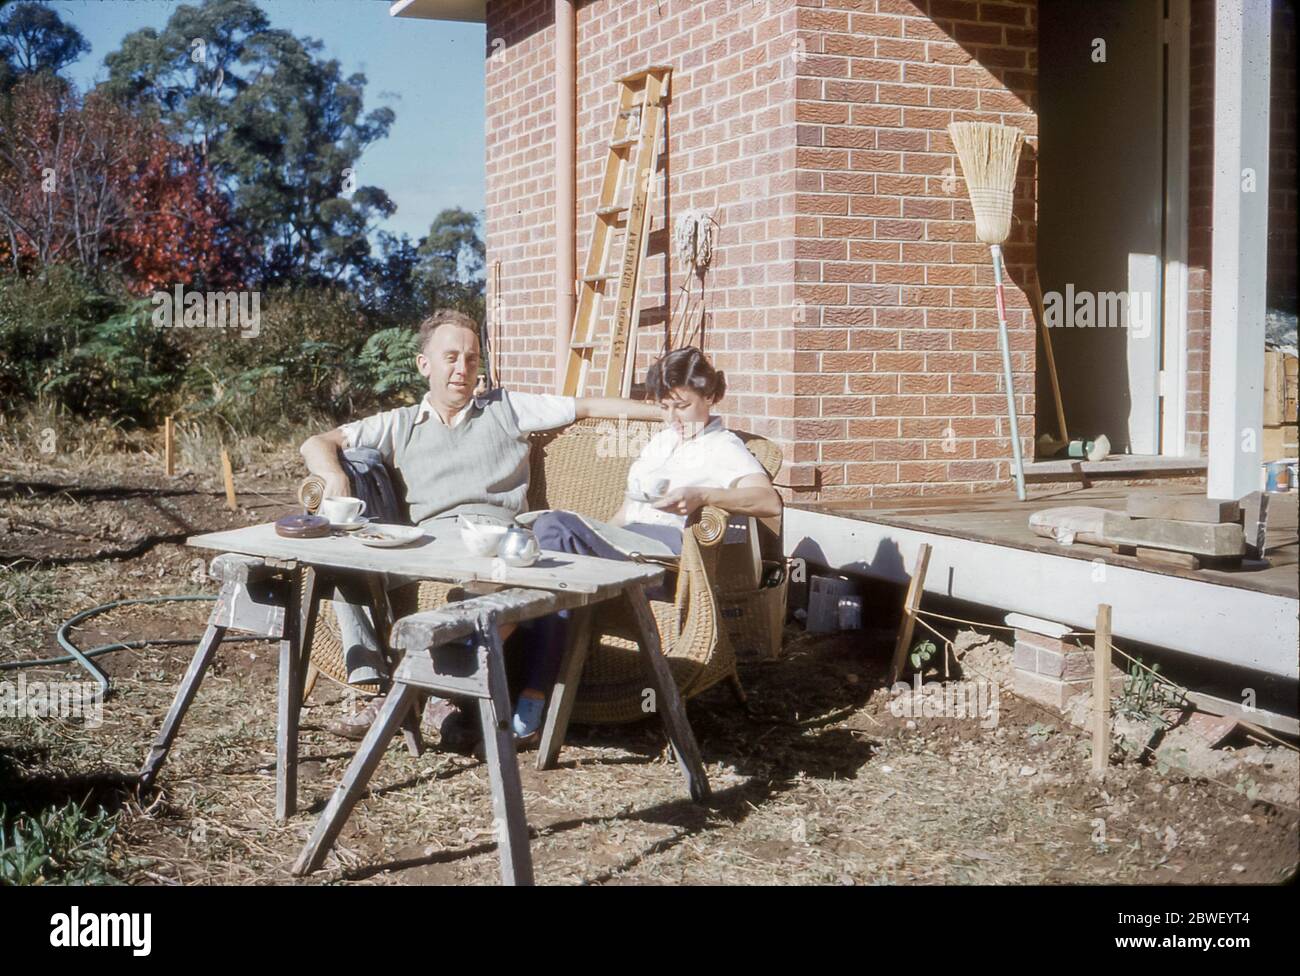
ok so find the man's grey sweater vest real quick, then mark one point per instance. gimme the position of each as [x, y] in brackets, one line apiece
[480, 466]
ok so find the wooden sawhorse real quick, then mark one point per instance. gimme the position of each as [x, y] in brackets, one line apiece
[433, 661]
[278, 600]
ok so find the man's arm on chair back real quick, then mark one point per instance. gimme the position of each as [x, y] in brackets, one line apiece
[614, 408]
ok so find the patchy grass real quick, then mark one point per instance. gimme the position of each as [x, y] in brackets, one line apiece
[820, 783]
[24, 594]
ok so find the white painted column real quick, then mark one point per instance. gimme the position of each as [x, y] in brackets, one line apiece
[1240, 245]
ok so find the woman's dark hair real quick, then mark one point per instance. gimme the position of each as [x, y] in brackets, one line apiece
[685, 367]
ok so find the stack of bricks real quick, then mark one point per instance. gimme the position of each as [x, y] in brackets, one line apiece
[1052, 670]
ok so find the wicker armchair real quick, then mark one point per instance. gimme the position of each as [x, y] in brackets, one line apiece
[575, 469]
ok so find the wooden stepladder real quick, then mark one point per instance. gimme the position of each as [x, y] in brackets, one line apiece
[631, 164]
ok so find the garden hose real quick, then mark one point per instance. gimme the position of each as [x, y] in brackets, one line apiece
[83, 657]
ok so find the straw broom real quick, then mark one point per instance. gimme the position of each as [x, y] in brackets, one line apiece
[989, 155]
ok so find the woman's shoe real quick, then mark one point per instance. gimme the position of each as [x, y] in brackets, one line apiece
[527, 720]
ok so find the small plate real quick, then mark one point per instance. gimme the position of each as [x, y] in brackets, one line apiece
[381, 536]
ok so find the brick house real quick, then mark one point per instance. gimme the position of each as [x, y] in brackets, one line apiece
[849, 300]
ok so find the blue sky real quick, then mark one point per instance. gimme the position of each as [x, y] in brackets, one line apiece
[430, 73]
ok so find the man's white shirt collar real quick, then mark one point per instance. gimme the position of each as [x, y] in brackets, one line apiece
[426, 408]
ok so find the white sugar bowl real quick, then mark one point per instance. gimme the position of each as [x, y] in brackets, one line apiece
[481, 538]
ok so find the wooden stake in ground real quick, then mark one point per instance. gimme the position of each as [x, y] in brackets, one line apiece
[1101, 692]
[169, 450]
[912, 601]
[229, 474]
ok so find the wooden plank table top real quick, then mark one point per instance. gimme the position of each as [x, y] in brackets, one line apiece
[439, 556]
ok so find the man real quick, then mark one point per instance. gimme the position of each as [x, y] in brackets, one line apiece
[453, 453]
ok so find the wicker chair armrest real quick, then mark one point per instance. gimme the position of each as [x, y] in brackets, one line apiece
[698, 616]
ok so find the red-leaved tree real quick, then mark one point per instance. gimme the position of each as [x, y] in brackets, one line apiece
[86, 181]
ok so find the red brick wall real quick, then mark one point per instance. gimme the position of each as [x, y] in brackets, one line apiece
[520, 130]
[730, 151]
[898, 375]
[848, 301]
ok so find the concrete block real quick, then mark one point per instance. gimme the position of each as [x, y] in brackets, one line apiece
[1183, 508]
[1050, 663]
[1195, 537]
[1036, 625]
[1254, 509]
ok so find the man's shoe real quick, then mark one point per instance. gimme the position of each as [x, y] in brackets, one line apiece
[355, 727]
[456, 731]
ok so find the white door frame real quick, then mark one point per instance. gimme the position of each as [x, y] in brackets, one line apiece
[1173, 374]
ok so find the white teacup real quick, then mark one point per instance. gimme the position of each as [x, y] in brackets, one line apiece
[342, 509]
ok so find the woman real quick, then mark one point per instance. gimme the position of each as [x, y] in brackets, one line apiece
[694, 461]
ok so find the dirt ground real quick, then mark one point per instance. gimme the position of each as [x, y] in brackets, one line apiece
[820, 784]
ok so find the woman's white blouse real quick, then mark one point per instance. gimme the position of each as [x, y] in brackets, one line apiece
[713, 458]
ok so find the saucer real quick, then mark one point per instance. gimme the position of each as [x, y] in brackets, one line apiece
[350, 526]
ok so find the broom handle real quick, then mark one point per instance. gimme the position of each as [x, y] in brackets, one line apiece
[1041, 316]
[1006, 371]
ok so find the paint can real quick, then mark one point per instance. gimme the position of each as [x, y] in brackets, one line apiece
[1277, 476]
[850, 613]
[1093, 449]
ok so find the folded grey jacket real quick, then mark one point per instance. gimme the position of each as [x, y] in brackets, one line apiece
[372, 483]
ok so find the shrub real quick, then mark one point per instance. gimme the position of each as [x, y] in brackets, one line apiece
[315, 355]
[42, 320]
[125, 368]
[388, 361]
